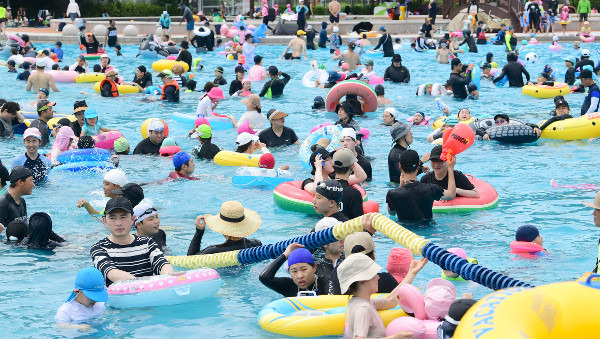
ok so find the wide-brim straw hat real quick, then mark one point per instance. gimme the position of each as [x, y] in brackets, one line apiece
[234, 220]
[593, 204]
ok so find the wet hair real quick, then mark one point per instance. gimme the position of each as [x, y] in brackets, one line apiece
[65, 68]
[243, 148]
[489, 57]
[86, 141]
[379, 90]
[97, 68]
[17, 229]
[208, 86]
[55, 67]
[248, 37]
[191, 85]
[511, 57]
[503, 116]
[10, 106]
[219, 41]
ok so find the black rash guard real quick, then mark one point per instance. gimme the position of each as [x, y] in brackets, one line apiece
[388, 48]
[459, 84]
[229, 245]
[397, 74]
[285, 285]
[276, 85]
[90, 48]
[10, 210]
[514, 71]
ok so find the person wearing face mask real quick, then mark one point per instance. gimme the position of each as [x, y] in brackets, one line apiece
[302, 268]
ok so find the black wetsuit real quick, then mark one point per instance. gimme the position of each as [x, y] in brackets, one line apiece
[144, 81]
[229, 245]
[147, 147]
[90, 48]
[579, 65]
[514, 71]
[220, 81]
[570, 76]
[10, 210]
[459, 84]
[397, 74]
[310, 40]
[206, 150]
[388, 48]
[186, 57]
[351, 200]
[112, 37]
[276, 85]
[285, 285]
[471, 43]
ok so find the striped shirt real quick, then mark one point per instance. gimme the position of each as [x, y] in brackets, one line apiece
[140, 258]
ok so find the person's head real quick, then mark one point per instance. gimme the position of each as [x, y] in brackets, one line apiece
[11, 64]
[21, 180]
[358, 275]
[246, 142]
[456, 312]
[147, 221]
[501, 119]
[529, 233]
[273, 71]
[44, 109]
[302, 268]
[542, 77]
[258, 60]
[276, 118]
[389, 116]
[118, 217]
[86, 141]
[459, 252]
[112, 22]
[300, 33]
[156, 131]
[471, 88]
[439, 166]
[348, 139]
[26, 65]
[234, 221]
[401, 133]
[79, 108]
[464, 115]
[219, 71]
[586, 78]
[511, 57]
[335, 248]
[596, 206]
[396, 60]
[344, 111]
[398, 263]
[166, 76]
[325, 158]
[89, 37]
[489, 57]
[328, 196]
[8, 110]
[140, 71]
[113, 180]
[585, 54]
[16, 230]
[89, 287]
[418, 118]
[252, 103]
[409, 161]
[64, 138]
[240, 72]
[343, 159]
[183, 163]
[185, 44]
[456, 65]
[177, 69]
[318, 103]
[105, 60]
[32, 139]
[336, 29]
[91, 117]
[42, 94]
[203, 133]
[562, 107]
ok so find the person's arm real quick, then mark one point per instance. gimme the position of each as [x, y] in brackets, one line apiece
[52, 85]
[86, 205]
[29, 84]
[267, 276]
[286, 78]
[286, 50]
[450, 193]
[106, 38]
[502, 74]
[104, 264]
[386, 75]
[391, 300]
[379, 43]
[407, 78]
[525, 72]
[358, 176]
[467, 193]
[595, 96]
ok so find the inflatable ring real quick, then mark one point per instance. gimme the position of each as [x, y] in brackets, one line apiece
[425, 121]
[331, 132]
[202, 31]
[252, 176]
[90, 77]
[323, 315]
[85, 154]
[441, 120]
[588, 38]
[123, 89]
[144, 128]
[17, 39]
[88, 166]
[106, 140]
[161, 65]
[163, 290]
[488, 198]
[92, 56]
[375, 80]
[525, 247]
[584, 127]
[217, 123]
[515, 133]
[291, 197]
[229, 158]
[437, 89]
[63, 76]
[169, 151]
[564, 22]
[307, 79]
[54, 121]
[358, 88]
[545, 91]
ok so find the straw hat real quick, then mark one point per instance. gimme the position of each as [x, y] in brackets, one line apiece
[593, 204]
[252, 102]
[234, 220]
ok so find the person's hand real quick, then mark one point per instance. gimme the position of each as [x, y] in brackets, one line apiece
[291, 247]
[486, 137]
[417, 265]
[426, 169]
[81, 203]
[260, 144]
[318, 161]
[446, 110]
[467, 295]
[281, 58]
[470, 67]
[529, 83]
[279, 73]
[367, 223]
[305, 58]
[1, 228]
[284, 167]
[452, 163]
[425, 157]
[200, 223]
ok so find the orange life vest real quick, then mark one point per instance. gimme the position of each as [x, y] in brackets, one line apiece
[114, 91]
[174, 84]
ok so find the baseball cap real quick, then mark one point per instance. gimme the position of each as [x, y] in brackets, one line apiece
[245, 138]
[90, 113]
[585, 74]
[333, 76]
[118, 203]
[43, 105]
[273, 70]
[585, 52]
[392, 111]
[143, 210]
[165, 74]
[132, 192]
[32, 132]
[348, 132]
[266, 161]
[300, 32]
[203, 131]
[300, 256]
[458, 309]
[121, 145]
[19, 173]
[11, 62]
[156, 125]
[561, 102]
[275, 114]
[398, 262]
[357, 267]
[399, 129]
[369, 63]
[325, 223]
[359, 242]
[116, 176]
[527, 233]
[570, 59]
[91, 283]
[398, 58]
[343, 157]
[40, 63]
[309, 27]
[331, 189]
[409, 160]
[436, 153]
[382, 28]
[439, 296]
[180, 158]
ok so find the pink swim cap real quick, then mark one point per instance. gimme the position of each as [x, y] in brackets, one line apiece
[201, 121]
[399, 262]
[245, 127]
[458, 251]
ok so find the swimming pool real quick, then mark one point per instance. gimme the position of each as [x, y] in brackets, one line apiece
[36, 283]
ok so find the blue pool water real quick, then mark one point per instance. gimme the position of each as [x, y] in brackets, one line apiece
[35, 283]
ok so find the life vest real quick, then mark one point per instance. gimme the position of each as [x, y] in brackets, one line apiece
[172, 83]
[114, 91]
[481, 35]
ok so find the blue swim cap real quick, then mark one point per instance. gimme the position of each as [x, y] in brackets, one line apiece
[300, 256]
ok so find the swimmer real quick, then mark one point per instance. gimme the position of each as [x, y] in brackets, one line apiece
[147, 224]
[275, 85]
[591, 101]
[170, 89]
[80, 65]
[368, 70]
[442, 54]
[402, 138]
[206, 149]
[108, 85]
[113, 180]
[278, 134]
[529, 233]
[503, 119]
[86, 301]
[562, 112]
[570, 72]
[89, 42]
[350, 141]
[64, 139]
[486, 71]
[253, 114]
[21, 184]
[246, 90]
[248, 143]
[449, 275]
[439, 176]
[105, 65]
[298, 46]
[184, 167]
[178, 75]
[381, 99]
[389, 116]
[464, 115]
[473, 92]
[542, 79]
[513, 70]
[418, 118]
[32, 159]
[236, 85]
[344, 112]
[40, 79]
[352, 58]
[219, 79]
[91, 125]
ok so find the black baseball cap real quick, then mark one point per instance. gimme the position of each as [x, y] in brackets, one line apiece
[132, 192]
[118, 203]
[19, 173]
[331, 189]
[396, 58]
[562, 102]
[185, 44]
[409, 160]
[436, 153]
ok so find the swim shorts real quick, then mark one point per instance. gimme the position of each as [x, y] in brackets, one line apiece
[552, 19]
[190, 26]
[333, 19]
[583, 16]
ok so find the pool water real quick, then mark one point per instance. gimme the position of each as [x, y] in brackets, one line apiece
[35, 283]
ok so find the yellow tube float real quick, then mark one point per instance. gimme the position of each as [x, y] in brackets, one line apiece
[313, 316]
[161, 65]
[585, 127]
[229, 158]
[545, 91]
[52, 122]
[129, 89]
[560, 310]
[90, 77]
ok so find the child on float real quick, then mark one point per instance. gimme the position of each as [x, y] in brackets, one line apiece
[561, 112]
[92, 126]
[113, 180]
[85, 303]
[121, 146]
[451, 121]
[358, 278]
[64, 139]
[208, 104]
[419, 118]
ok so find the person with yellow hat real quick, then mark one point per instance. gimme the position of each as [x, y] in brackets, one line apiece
[234, 222]
[298, 46]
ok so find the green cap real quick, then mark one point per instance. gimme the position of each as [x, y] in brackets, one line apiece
[451, 121]
[204, 131]
[169, 142]
[121, 145]
[369, 63]
[165, 73]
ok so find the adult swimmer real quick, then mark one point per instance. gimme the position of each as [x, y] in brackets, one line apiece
[389, 116]
[562, 112]
[460, 78]
[40, 79]
[439, 176]
[344, 112]
[322, 167]
[503, 119]
[234, 222]
[381, 99]
[514, 71]
[350, 57]
[402, 137]
[298, 46]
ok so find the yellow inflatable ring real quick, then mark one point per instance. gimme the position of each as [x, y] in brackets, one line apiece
[52, 122]
[90, 77]
[439, 121]
[161, 65]
[130, 89]
[584, 127]
[545, 91]
[229, 158]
